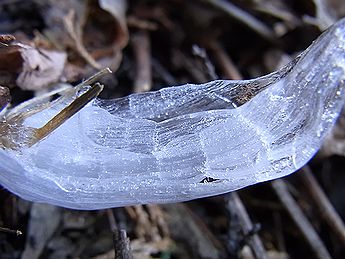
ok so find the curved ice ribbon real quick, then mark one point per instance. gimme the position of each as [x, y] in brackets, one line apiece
[185, 142]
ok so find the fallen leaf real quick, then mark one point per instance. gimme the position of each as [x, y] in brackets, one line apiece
[10, 64]
[117, 8]
[90, 29]
[40, 68]
[28, 67]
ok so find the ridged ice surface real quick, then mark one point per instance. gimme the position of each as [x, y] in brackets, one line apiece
[185, 142]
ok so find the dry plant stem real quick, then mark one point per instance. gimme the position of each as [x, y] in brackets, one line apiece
[245, 18]
[236, 206]
[187, 227]
[225, 63]
[142, 24]
[142, 52]
[322, 202]
[143, 225]
[112, 221]
[157, 217]
[300, 220]
[66, 113]
[11, 231]
[163, 72]
[20, 116]
[187, 63]
[121, 242]
[77, 41]
[323, 14]
[122, 245]
[230, 71]
[73, 108]
[92, 79]
[278, 229]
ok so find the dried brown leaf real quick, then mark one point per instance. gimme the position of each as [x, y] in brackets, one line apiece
[40, 68]
[90, 29]
[74, 32]
[28, 67]
[117, 8]
[10, 64]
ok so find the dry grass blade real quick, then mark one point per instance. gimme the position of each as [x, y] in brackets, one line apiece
[66, 113]
[309, 233]
[11, 231]
[237, 208]
[325, 207]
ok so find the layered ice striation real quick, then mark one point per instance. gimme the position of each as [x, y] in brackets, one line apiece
[185, 142]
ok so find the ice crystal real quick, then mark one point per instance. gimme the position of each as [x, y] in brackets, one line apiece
[184, 142]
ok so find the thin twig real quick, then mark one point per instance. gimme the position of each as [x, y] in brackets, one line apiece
[162, 72]
[225, 63]
[203, 56]
[184, 61]
[92, 79]
[112, 221]
[324, 17]
[11, 231]
[66, 113]
[322, 202]
[142, 24]
[122, 245]
[245, 18]
[300, 220]
[142, 52]
[121, 242]
[236, 206]
[189, 228]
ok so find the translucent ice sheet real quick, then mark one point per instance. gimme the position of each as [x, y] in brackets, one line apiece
[184, 142]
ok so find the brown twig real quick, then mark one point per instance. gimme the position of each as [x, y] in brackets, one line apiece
[278, 229]
[225, 63]
[184, 61]
[122, 245]
[236, 207]
[322, 202]
[187, 227]
[201, 54]
[121, 242]
[244, 17]
[142, 24]
[300, 220]
[112, 221]
[142, 52]
[162, 72]
[66, 113]
[11, 231]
